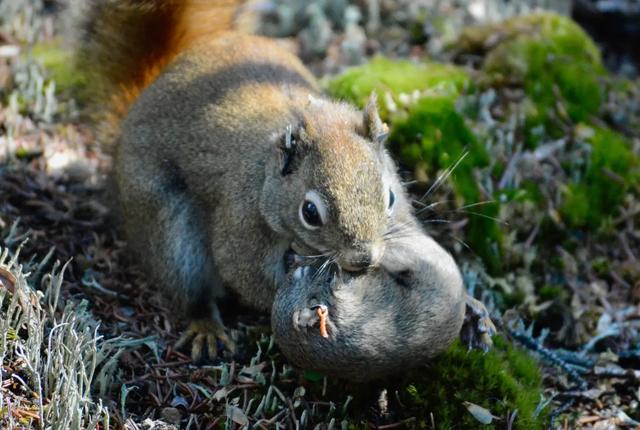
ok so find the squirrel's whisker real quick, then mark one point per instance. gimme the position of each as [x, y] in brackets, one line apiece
[499, 221]
[398, 231]
[444, 176]
[324, 266]
[462, 242]
[436, 221]
[484, 202]
[434, 204]
[326, 254]
[431, 206]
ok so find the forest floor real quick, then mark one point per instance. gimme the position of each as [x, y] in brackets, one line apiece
[567, 293]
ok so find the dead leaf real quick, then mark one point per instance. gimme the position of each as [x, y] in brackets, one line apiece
[8, 280]
[220, 394]
[237, 415]
[479, 413]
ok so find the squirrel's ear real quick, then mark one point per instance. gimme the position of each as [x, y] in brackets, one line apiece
[375, 129]
[289, 145]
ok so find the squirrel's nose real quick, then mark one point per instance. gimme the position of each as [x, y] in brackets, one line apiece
[361, 258]
[355, 263]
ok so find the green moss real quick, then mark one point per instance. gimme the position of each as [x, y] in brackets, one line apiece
[551, 57]
[575, 208]
[60, 64]
[563, 37]
[601, 266]
[434, 136]
[552, 292]
[396, 77]
[529, 191]
[503, 380]
[514, 298]
[610, 173]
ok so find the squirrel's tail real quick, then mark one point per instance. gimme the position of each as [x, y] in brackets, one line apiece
[127, 43]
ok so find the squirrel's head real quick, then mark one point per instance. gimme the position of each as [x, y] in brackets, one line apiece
[331, 185]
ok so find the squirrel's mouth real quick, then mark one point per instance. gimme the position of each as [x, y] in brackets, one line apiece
[292, 260]
[303, 249]
[305, 254]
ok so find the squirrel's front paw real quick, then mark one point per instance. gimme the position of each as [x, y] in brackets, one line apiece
[205, 332]
[477, 328]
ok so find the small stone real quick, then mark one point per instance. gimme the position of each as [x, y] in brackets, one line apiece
[171, 416]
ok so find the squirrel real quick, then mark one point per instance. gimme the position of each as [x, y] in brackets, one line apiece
[227, 156]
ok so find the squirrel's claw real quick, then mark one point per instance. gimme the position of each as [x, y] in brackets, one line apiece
[205, 332]
[477, 328]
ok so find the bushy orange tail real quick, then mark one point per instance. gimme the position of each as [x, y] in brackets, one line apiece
[127, 43]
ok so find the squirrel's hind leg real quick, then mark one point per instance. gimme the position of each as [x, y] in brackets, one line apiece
[200, 281]
[207, 332]
[167, 230]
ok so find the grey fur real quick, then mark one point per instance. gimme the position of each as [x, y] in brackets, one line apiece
[380, 323]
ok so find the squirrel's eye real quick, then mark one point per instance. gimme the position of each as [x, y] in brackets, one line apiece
[313, 212]
[310, 214]
[392, 199]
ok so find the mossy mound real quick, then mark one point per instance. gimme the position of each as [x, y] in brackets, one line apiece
[551, 57]
[610, 173]
[395, 78]
[503, 380]
[562, 36]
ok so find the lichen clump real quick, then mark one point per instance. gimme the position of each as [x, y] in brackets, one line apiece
[503, 380]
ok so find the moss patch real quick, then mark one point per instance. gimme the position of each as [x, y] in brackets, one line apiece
[395, 78]
[610, 173]
[433, 137]
[434, 133]
[551, 57]
[503, 380]
[60, 63]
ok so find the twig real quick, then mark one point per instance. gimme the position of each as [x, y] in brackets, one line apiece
[546, 354]
[560, 409]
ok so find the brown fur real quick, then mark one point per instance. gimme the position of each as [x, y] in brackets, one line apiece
[208, 196]
[127, 43]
